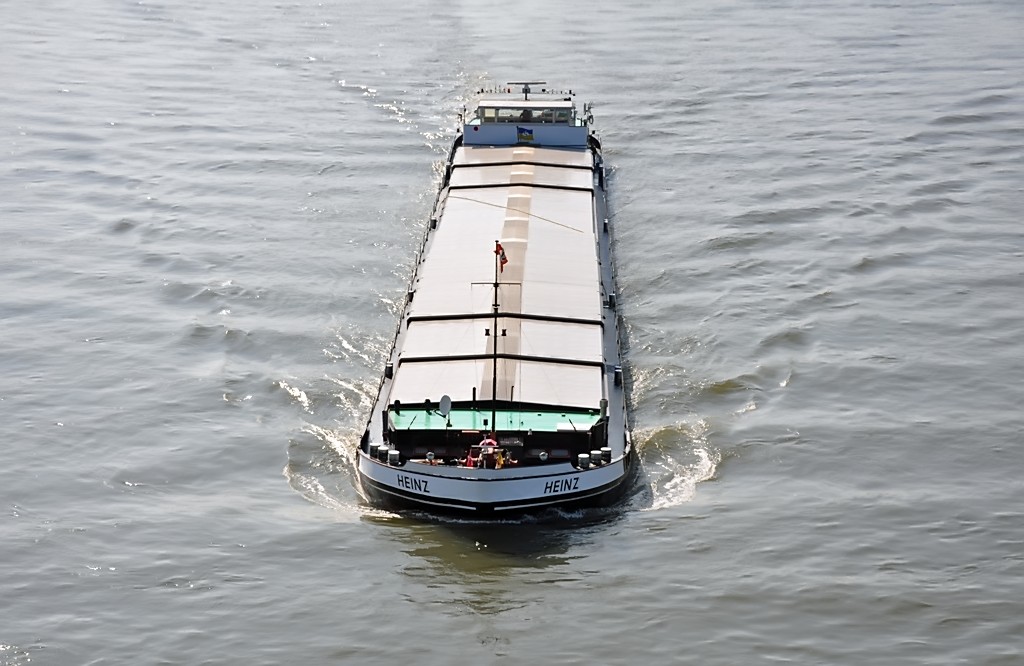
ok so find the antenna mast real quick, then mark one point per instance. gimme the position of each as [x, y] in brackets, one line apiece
[494, 333]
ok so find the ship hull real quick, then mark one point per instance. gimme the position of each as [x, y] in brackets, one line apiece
[503, 392]
[513, 494]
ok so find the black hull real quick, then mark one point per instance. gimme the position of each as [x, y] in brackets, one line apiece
[395, 499]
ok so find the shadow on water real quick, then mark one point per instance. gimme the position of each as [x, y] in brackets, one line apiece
[463, 545]
[524, 541]
[471, 567]
[474, 568]
[487, 569]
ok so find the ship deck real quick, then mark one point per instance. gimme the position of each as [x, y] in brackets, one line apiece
[539, 203]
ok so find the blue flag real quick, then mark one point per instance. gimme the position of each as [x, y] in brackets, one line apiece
[524, 133]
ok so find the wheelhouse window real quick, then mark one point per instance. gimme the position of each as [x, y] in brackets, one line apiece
[513, 114]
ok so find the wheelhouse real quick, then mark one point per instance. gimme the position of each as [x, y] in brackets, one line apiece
[542, 112]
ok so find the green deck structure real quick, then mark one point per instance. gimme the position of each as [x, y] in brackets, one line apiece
[507, 420]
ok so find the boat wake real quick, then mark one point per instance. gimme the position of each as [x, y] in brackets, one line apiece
[331, 480]
[322, 465]
[673, 461]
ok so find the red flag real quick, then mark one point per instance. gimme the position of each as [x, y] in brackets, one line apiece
[500, 251]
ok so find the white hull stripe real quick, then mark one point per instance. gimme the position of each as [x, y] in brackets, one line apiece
[492, 493]
[551, 500]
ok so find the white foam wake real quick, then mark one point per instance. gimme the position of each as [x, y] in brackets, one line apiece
[673, 461]
[677, 482]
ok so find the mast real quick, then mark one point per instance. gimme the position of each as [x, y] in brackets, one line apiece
[498, 252]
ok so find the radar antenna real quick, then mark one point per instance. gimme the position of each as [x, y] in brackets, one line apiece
[526, 86]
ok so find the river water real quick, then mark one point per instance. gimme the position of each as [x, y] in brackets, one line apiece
[208, 213]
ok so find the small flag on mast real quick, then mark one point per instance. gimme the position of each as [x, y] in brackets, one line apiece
[500, 251]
